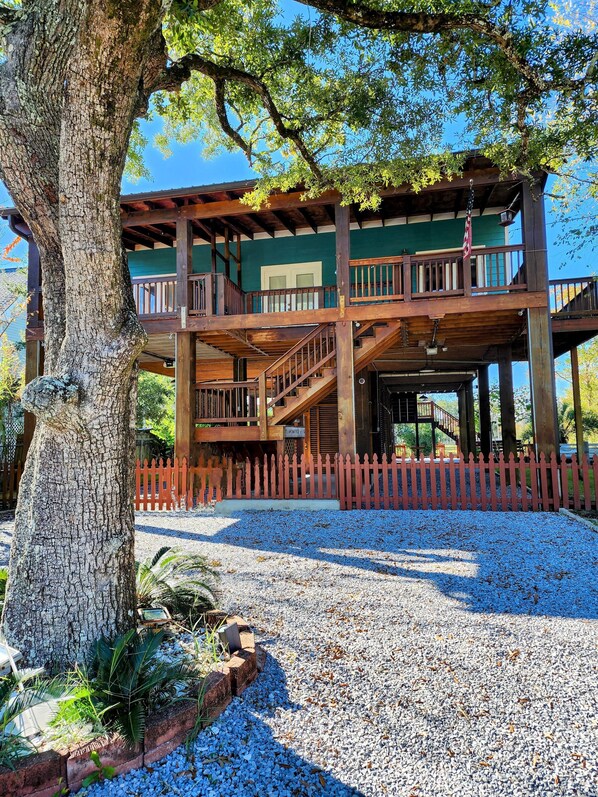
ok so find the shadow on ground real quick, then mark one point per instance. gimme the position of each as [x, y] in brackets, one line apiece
[534, 564]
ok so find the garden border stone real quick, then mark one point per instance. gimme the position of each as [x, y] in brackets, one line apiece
[43, 774]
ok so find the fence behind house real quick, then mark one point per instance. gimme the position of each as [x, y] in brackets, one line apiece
[514, 484]
[10, 476]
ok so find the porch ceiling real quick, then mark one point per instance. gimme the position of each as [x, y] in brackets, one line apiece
[442, 382]
[468, 338]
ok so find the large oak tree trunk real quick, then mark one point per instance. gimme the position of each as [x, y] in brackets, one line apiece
[69, 92]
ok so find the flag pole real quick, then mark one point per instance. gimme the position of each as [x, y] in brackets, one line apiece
[467, 242]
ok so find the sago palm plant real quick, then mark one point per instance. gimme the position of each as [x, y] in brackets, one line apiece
[181, 582]
[129, 678]
[17, 695]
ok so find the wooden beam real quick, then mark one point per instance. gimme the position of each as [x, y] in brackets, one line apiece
[259, 223]
[34, 282]
[232, 434]
[243, 338]
[458, 201]
[34, 367]
[329, 211]
[363, 414]
[343, 255]
[227, 252]
[358, 215]
[486, 198]
[288, 225]
[238, 262]
[485, 415]
[185, 394]
[294, 199]
[507, 401]
[470, 416]
[577, 401]
[542, 381]
[345, 378]
[534, 236]
[237, 227]
[184, 266]
[463, 431]
[539, 327]
[384, 311]
[305, 215]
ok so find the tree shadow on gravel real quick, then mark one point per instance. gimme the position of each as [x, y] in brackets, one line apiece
[512, 563]
[272, 758]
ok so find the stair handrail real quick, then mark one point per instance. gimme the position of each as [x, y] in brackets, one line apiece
[297, 347]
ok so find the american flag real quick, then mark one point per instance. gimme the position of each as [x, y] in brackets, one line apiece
[467, 237]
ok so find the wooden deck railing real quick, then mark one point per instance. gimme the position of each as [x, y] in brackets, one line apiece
[284, 300]
[496, 269]
[229, 403]
[377, 279]
[306, 359]
[517, 484]
[155, 295]
[574, 297]
[430, 410]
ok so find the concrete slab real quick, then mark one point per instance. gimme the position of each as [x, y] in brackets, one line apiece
[230, 506]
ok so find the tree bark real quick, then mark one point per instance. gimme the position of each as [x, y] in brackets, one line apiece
[70, 89]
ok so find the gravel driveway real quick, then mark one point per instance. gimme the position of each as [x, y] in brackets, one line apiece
[416, 654]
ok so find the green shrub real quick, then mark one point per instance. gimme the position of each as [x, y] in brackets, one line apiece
[16, 696]
[3, 583]
[130, 679]
[181, 582]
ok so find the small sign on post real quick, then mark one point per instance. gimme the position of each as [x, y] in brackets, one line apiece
[294, 431]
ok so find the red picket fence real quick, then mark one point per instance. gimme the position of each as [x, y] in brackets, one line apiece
[515, 484]
[10, 476]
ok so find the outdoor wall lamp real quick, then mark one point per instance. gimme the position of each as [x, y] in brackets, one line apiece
[507, 217]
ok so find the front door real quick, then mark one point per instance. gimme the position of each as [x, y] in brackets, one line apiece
[291, 287]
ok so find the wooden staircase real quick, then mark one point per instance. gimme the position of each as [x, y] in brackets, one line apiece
[298, 380]
[443, 419]
[308, 385]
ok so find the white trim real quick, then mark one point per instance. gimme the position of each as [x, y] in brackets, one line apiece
[291, 269]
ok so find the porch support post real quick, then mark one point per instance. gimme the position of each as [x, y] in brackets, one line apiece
[345, 379]
[363, 414]
[34, 351]
[185, 394]
[485, 415]
[34, 282]
[34, 367]
[539, 326]
[463, 430]
[470, 416]
[577, 402]
[184, 266]
[507, 401]
[239, 369]
[343, 277]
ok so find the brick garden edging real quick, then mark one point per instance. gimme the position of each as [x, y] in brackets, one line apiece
[44, 774]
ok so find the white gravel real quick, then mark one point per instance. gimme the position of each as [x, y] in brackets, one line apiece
[416, 654]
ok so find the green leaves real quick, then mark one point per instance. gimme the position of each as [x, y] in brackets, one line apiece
[379, 92]
[182, 583]
[129, 677]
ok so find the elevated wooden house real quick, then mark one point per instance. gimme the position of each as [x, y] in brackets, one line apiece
[309, 320]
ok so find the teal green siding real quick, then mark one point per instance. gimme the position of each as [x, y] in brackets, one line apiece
[372, 242]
